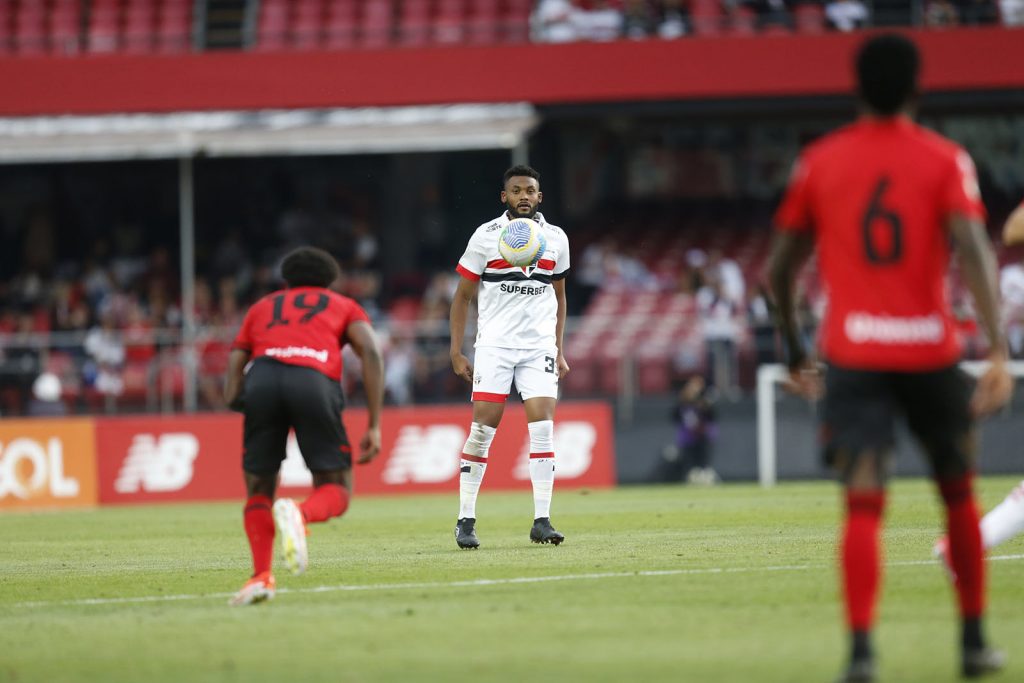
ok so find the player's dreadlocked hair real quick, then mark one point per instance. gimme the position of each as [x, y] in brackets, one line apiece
[887, 68]
[520, 170]
[309, 267]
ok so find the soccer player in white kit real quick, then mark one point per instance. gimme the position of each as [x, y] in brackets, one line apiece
[520, 326]
[1005, 520]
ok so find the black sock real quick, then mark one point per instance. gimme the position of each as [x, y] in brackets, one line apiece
[972, 639]
[861, 645]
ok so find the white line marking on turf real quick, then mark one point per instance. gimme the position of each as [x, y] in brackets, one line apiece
[469, 583]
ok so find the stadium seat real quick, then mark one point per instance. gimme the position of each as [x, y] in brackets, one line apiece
[342, 22]
[482, 24]
[414, 22]
[174, 29]
[375, 30]
[66, 28]
[272, 32]
[104, 27]
[450, 22]
[810, 18]
[30, 29]
[139, 33]
[706, 17]
[515, 25]
[307, 25]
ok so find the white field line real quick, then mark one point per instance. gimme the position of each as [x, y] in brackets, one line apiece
[470, 583]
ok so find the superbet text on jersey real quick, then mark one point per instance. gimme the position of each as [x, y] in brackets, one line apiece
[517, 308]
[877, 196]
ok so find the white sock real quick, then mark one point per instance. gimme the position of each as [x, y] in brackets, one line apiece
[1005, 521]
[472, 467]
[542, 466]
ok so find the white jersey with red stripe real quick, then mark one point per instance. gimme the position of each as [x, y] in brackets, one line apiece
[516, 307]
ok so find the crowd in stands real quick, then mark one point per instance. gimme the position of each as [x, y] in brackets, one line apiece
[560, 21]
[70, 27]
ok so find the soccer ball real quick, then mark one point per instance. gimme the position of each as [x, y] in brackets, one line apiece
[522, 243]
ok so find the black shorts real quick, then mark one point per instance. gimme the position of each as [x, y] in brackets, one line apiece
[861, 408]
[278, 397]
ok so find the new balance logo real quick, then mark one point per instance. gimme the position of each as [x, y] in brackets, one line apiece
[425, 455]
[158, 464]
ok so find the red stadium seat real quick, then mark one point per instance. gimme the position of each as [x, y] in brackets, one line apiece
[66, 29]
[375, 30]
[810, 18]
[307, 25]
[414, 22]
[744, 21]
[30, 31]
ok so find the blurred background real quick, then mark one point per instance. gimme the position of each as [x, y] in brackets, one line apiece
[160, 156]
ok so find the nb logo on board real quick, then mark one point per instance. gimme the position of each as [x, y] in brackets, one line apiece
[158, 464]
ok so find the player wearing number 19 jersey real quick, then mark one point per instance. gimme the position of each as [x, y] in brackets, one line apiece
[521, 319]
[880, 201]
[293, 339]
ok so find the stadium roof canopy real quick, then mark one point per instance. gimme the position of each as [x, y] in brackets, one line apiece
[365, 130]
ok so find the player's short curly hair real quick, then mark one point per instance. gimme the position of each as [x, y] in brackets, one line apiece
[309, 267]
[520, 170]
[887, 70]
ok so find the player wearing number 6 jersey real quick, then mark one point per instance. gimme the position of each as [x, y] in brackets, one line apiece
[520, 324]
[880, 201]
[294, 339]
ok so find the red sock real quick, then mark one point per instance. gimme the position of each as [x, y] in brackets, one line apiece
[965, 549]
[326, 501]
[259, 527]
[860, 556]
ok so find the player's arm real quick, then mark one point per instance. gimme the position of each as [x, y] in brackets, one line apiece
[464, 295]
[237, 360]
[980, 272]
[563, 365]
[364, 342]
[1013, 231]
[790, 251]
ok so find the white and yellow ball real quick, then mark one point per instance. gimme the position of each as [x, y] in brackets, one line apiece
[522, 243]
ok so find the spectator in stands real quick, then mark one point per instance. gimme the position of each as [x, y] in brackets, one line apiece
[1012, 12]
[104, 346]
[721, 334]
[19, 360]
[399, 369]
[974, 12]
[1011, 286]
[771, 12]
[601, 23]
[46, 397]
[638, 19]
[673, 19]
[729, 275]
[555, 21]
[941, 14]
[591, 274]
[846, 15]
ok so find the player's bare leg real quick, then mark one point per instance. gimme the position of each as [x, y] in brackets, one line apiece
[860, 555]
[540, 415]
[259, 529]
[486, 417]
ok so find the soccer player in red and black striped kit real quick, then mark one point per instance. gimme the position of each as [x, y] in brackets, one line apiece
[294, 339]
[881, 200]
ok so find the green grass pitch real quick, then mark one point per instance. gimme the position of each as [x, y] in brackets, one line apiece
[653, 584]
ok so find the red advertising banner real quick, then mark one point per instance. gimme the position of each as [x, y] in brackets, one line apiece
[621, 71]
[181, 458]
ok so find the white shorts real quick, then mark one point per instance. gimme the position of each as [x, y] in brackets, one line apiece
[535, 373]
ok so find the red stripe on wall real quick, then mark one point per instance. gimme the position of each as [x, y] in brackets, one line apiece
[954, 60]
